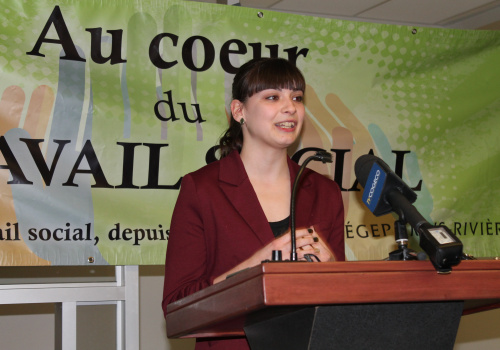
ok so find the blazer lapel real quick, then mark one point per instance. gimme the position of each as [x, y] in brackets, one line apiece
[234, 182]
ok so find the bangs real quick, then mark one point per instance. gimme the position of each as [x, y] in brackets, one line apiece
[270, 74]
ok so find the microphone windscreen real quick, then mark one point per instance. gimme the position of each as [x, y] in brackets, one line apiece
[363, 166]
[378, 181]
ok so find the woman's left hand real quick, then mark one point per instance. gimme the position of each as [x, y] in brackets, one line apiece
[316, 247]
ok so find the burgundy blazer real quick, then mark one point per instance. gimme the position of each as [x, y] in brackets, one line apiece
[218, 222]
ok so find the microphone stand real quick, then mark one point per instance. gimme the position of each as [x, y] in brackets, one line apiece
[403, 252]
[322, 156]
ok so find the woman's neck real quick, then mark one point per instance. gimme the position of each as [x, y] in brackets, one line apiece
[270, 178]
[265, 166]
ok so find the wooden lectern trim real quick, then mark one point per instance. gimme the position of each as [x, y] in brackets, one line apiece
[222, 309]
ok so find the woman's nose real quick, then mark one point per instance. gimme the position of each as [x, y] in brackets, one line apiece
[289, 105]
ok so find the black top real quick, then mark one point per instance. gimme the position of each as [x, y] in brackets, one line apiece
[280, 227]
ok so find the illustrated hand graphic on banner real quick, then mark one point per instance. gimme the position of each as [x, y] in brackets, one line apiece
[142, 156]
[11, 107]
[349, 133]
[56, 220]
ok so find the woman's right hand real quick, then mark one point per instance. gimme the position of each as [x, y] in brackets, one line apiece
[304, 238]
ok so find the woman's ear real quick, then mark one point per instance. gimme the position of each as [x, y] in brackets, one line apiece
[237, 110]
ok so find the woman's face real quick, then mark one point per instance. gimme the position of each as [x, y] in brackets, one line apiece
[273, 117]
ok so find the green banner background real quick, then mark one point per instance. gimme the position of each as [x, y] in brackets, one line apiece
[428, 95]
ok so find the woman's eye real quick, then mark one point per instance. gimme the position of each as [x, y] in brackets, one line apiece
[273, 97]
[298, 98]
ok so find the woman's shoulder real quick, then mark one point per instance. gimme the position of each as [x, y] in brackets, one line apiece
[214, 169]
[207, 171]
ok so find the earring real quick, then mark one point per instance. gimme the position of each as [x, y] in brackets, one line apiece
[242, 121]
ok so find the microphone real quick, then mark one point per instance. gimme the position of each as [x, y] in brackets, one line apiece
[322, 156]
[384, 192]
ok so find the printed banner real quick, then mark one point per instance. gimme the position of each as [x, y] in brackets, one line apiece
[105, 105]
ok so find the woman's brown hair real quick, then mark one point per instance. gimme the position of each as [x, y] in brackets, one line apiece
[252, 77]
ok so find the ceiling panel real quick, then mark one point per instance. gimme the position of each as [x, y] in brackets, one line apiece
[463, 14]
[338, 7]
[422, 11]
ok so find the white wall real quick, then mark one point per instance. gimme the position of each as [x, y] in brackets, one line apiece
[152, 332]
[32, 326]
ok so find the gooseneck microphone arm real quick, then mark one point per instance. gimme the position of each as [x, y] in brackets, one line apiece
[322, 156]
[406, 211]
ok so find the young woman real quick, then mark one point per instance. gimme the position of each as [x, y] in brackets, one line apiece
[231, 214]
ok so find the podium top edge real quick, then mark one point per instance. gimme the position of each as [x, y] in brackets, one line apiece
[372, 266]
[340, 267]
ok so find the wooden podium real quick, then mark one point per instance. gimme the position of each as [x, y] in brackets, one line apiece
[340, 305]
